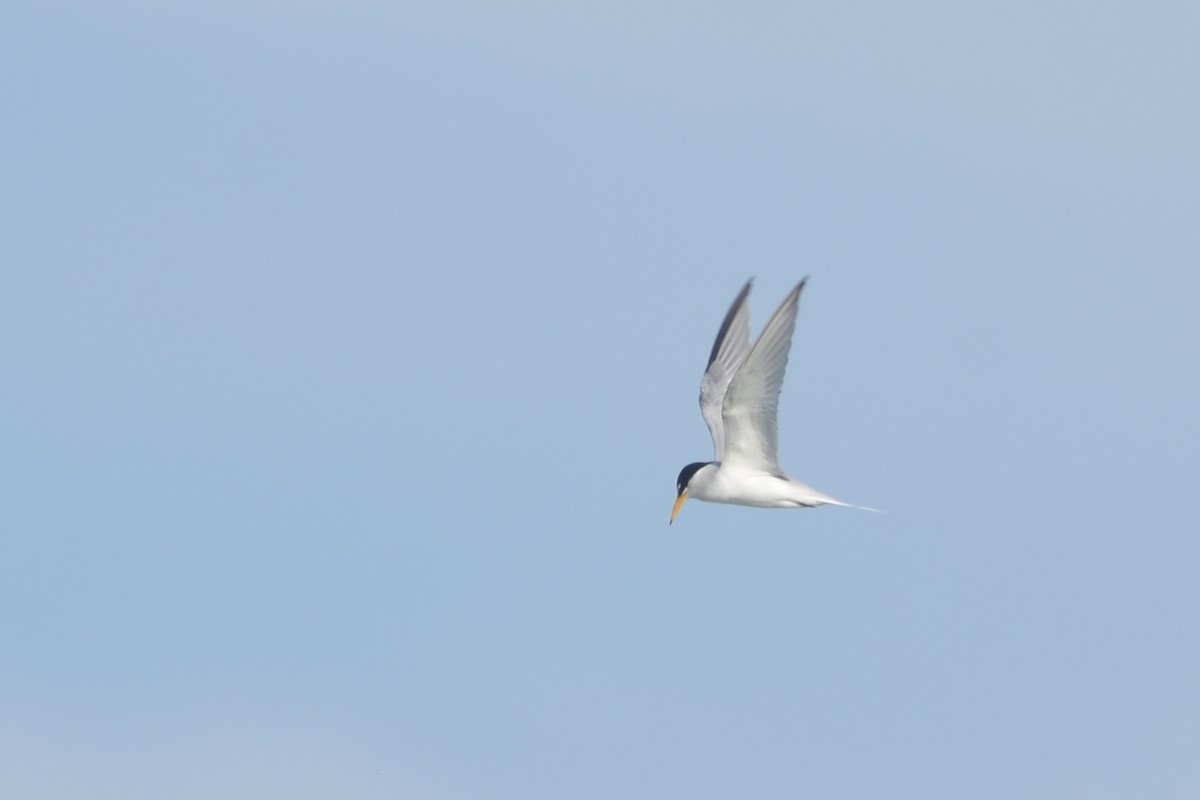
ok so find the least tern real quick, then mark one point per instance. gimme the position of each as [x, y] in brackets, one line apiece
[739, 399]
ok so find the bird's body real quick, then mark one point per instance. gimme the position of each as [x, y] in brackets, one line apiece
[739, 399]
[738, 485]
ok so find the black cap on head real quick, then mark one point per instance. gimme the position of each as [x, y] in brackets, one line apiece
[686, 474]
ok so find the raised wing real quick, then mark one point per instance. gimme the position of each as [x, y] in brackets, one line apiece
[728, 352]
[750, 410]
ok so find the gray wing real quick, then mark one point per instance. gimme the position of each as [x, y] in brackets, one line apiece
[750, 410]
[728, 352]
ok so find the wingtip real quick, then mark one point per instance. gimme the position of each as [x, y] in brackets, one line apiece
[730, 315]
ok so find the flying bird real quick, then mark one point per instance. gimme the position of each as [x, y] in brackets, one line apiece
[739, 399]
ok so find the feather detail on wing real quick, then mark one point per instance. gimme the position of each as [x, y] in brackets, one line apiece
[750, 409]
[729, 350]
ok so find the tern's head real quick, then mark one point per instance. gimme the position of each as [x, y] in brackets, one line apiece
[681, 485]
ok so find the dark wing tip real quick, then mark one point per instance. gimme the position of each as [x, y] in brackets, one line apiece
[728, 321]
[794, 294]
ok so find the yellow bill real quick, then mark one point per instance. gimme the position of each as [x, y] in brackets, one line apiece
[678, 505]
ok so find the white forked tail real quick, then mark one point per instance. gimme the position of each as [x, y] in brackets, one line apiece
[831, 502]
[815, 498]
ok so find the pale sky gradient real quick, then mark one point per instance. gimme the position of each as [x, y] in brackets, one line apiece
[350, 352]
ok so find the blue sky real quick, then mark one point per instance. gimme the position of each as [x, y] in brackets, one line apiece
[351, 351]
